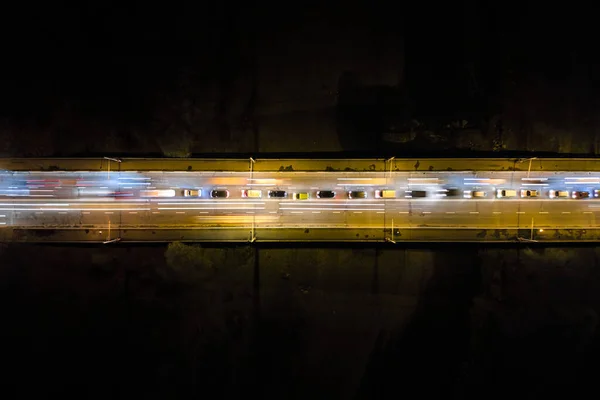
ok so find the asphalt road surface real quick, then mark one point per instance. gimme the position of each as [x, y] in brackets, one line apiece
[113, 201]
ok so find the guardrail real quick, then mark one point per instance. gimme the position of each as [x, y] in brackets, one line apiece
[271, 165]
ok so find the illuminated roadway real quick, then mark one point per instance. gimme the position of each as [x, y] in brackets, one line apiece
[82, 200]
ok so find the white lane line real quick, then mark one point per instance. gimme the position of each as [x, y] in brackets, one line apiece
[2, 223]
[497, 212]
[380, 212]
[473, 212]
[2, 216]
[587, 212]
[566, 212]
[85, 212]
[179, 212]
[272, 212]
[336, 212]
[203, 212]
[132, 212]
[316, 212]
[357, 212]
[426, 212]
[297, 212]
[108, 212]
[155, 212]
[543, 212]
[520, 212]
[403, 212]
[450, 212]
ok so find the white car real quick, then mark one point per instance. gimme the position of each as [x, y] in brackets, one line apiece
[478, 194]
[501, 193]
[529, 193]
[558, 194]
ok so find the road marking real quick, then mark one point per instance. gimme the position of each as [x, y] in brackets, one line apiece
[179, 212]
[85, 212]
[380, 212]
[132, 212]
[520, 212]
[497, 212]
[587, 212]
[249, 212]
[403, 212]
[336, 212]
[450, 212]
[473, 212]
[203, 212]
[357, 212]
[543, 212]
[426, 212]
[2, 223]
[566, 212]
[272, 212]
[2, 216]
[316, 212]
[155, 212]
[297, 212]
[108, 212]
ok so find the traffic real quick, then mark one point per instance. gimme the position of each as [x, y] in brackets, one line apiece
[349, 186]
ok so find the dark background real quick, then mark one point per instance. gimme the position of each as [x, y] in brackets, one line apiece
[102, 77]
[176, 80]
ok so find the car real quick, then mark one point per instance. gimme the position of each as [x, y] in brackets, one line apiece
[416, 193]
[452, 192]
[301, 196]
[278, 194]
[357, 194]
[385, 194]
[580, 194]
[468, 194]
[219, 194]
[529, 193]
[158, 193]
[558, 194]
[192, 193]
[252, 193]
[325, 194]
[500, 193]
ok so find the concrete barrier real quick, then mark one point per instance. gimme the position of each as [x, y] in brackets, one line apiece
[320, 235]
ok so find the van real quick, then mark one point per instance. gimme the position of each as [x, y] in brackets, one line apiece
[385, 194]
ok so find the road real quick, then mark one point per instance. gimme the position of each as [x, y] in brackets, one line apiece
[83, 201]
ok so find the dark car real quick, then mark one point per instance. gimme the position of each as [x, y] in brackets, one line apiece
[416, 193]
[453, 192]
[325, 194]
[219, 194]
[278, 194]
[357, 194]
[579, 194]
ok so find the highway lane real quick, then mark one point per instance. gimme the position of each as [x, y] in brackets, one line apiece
[79, 200]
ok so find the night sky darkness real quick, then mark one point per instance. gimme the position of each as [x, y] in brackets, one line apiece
[528, 64]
